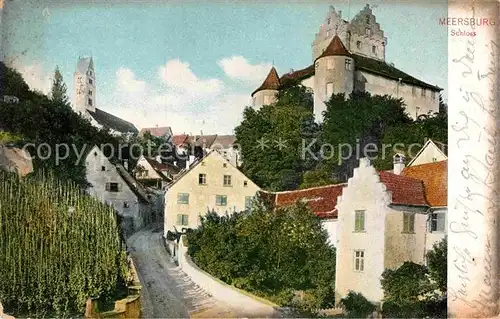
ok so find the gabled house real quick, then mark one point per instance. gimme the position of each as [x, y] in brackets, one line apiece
[210, 183]
[385, 219]
[154, 172]
[431, 152]
[113, 185]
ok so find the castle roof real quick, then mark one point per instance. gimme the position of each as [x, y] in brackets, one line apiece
[335, 48]
[113, 122]
[366, 64]
[272, 82]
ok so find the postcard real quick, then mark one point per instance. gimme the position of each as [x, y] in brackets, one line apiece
[178, 159]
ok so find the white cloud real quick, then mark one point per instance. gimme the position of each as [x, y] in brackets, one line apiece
[238, 68]
[184, 101]
[178, 75]
[127, 82]
[35, 76]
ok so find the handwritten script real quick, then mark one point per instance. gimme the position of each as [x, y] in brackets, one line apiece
[476, 204]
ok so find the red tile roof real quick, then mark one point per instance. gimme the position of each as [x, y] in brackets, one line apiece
[322, 200]
[297, 76]
[435, 179]
[336, 47]
[179, 140]
[272, 82]
[405, 190]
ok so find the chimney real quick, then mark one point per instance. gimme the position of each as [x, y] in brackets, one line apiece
[399, 163]
[158, 158]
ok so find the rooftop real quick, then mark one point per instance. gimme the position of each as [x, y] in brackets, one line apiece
[111, 121]
[435, 179]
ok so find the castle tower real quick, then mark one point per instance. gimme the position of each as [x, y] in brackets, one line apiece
[334, 73]
[362, 35]
[266, 93]
[85, 86]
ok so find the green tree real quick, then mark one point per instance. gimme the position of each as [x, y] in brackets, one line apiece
[357, 121]
[437, 263]
[59, 90]
[272, 140]
[270, 253]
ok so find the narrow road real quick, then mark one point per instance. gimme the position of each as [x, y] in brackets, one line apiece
[166, 291]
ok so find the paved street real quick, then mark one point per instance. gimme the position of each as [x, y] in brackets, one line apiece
[166, 291]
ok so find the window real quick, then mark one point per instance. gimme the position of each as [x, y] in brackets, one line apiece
[182, 198]
[202, 179]
[113, 187]
[245, 183]
[103, 168]
[248, 202]
[90, 92]
[437, 222]
[347, 64]
[433, 95]
[374, 49]
[125, 205]
[145, 173]
[423, 92]
[90, 102]
[368, 31]
[329, 64]
[329, 90]
[359, 260]
[348, 40]
[221, 200]
[225, 164]
[358, 44]
[413, 91]
[182, 220]
[90, 81]
[408, 222]
[227, 180]
[359, 221]
[367, 19]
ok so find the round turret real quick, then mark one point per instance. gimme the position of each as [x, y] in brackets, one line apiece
[266, 93]
[334, 73]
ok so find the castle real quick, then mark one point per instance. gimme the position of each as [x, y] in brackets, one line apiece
[347, 57]
[84, 102]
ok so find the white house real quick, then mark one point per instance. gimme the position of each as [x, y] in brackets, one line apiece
[385, 219]
[211, 183]
[349, 56]
[113, 185]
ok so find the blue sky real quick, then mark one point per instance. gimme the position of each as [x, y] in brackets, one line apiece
[192, 65]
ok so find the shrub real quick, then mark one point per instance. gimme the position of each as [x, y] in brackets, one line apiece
[269, 253]
[356, 305]
[57, 247]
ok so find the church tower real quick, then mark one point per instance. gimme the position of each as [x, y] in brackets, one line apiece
[266, 93]
[334, 73]
[85, 86]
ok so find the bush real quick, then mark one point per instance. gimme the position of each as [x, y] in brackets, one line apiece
[356, 305]
[270, 253]
[57, 248]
